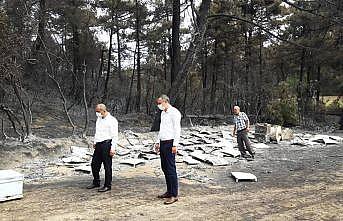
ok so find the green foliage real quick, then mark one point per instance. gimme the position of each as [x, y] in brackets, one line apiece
[333, 103]
[283, 110]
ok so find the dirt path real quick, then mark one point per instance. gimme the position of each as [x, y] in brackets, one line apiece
[294, 183]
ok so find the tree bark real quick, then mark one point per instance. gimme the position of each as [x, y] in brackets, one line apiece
[12, 118]
[318, 84]
[204, 76]
[119, 47]
[41, 26]
[85, 128]
[176, 53]
[192, 50]
[23, 106]
[108, 73]
[139, 87]
[131, 83]
[76, 53]
[214, 78]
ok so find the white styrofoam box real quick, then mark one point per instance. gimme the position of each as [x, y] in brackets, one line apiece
[243, 176]
[11, 185]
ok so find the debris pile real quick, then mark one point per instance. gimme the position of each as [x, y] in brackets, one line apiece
[198, 145]
[267, 132]
[79, 159]
[315, 139]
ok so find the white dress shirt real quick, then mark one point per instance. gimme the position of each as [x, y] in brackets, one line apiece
[170, 127]
[106, 129]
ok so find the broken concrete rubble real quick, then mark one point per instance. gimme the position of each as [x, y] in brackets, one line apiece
[201, 146]
[190, 161]
[132, 161]
[86, 168]
[325, 139]
[316, 139]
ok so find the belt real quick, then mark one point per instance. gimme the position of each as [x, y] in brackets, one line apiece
[105, 141]
[166, 141]
[241, 130]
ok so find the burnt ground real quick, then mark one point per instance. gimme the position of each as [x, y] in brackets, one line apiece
[294, 183]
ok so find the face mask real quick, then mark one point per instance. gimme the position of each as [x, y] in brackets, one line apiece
[98, 114]
[160, 107]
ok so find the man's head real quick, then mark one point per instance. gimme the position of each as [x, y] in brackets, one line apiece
[100, 110]
[236, 110]
[162, 102]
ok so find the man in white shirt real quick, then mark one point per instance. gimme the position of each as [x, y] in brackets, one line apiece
[105, 141]
[169, 136]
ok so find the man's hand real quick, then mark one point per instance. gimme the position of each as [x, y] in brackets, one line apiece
[157, 148]
[174, 150]
[93, 146]
[112, 151]
[248, 129]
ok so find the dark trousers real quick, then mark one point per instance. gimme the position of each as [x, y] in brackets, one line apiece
[102, 155]
[242, 139]
[169, 167]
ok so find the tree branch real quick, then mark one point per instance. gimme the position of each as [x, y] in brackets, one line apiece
[217, 16]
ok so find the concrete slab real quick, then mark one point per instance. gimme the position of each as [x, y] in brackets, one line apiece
[190, 161]
[325, 139]
[133, 141]
[182, 153]
[207, 149]
[337, 138]
[74, 159]
[148, 142]
[186, 143]
[218, 153]
[132, 162]
[231, 151]
[239, 176]
[260, 145]
[208, 158]
[216, 161]
[80, 151]
[122, 152]
[149, 156]
[84, 168]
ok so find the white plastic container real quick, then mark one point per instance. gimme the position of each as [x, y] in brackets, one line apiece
[11, 185]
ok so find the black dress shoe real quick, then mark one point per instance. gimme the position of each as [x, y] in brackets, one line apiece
[92, 186]
[104, 189]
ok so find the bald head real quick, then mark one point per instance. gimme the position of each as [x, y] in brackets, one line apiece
[101, 107]
[236, 110]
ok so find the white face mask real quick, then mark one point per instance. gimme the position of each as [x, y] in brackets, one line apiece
[160, 107]
[98, 114]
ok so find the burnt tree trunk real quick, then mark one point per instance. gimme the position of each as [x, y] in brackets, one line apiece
[139, 86]
[204, 77]
[176, 53]
[192, 49]
[128, 100]
[108, 73]
[119, 48]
